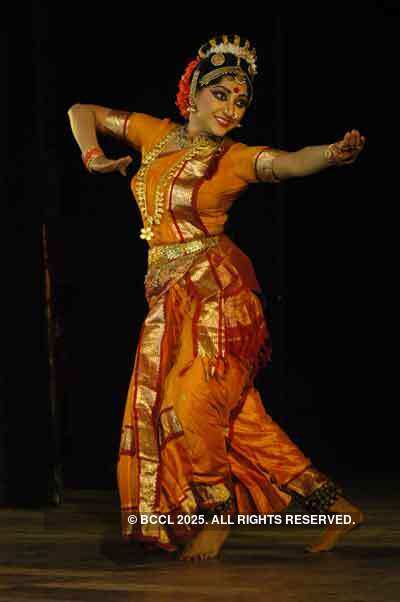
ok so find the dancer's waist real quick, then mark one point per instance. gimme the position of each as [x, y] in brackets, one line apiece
[162, 254]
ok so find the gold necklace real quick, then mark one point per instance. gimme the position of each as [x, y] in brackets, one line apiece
[200, 144]
[183, 141]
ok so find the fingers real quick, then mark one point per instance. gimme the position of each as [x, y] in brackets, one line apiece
[127, 159]
[353, 139]
[104, 165]
[123, 163]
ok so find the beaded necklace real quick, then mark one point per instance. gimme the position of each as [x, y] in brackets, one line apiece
[201, 143]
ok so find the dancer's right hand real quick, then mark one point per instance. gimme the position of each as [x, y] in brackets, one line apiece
[102, 164]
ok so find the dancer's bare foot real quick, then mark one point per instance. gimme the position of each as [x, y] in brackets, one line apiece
[206, 544]
[334, 532]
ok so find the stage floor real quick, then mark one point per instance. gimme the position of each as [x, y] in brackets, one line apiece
[75, 552]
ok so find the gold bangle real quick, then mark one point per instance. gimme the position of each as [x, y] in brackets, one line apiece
[90, 154]
[336, 156]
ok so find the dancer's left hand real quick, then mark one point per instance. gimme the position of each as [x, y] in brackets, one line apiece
[347, 150]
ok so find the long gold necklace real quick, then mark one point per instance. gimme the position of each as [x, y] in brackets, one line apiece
[200, 144]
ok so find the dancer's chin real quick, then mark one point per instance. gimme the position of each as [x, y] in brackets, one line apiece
[218, 130]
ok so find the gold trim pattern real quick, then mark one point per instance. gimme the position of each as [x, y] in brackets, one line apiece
[209, 77]
[145, 393]
[163, 254]
[193, 87]
[141, 178]
[127, 446]
[187, 223]
[115, 123]
[201, 144]
[169, 426]
[306, 483]
[211, 495]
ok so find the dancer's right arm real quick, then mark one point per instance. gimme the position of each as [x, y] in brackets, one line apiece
[86, 121]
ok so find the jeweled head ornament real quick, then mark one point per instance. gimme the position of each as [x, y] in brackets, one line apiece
[222, 55]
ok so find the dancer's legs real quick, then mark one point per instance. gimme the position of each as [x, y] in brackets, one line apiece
[262, 458]
[203, 408]
[235, 448]
[275, 458]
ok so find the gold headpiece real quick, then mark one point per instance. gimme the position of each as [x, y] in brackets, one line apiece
[241, 51]
[217, 53]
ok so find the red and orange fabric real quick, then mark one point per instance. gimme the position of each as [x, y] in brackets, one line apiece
[195, 433]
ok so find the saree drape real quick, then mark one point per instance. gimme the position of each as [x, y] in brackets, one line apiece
[195, 435]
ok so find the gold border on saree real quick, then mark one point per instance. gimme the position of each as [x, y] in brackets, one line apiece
[162, 254]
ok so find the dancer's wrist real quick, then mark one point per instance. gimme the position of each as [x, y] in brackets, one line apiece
[90, 154]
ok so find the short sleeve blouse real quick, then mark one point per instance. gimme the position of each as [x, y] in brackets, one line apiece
[236, 168]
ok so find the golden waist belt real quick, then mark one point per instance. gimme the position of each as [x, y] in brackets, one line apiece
[161, 254]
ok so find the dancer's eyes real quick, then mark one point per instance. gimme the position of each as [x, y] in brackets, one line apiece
[221, 95]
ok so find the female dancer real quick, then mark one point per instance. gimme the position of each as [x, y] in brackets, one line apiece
[196, 440]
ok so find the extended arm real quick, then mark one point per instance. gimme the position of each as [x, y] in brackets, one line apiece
[312, 159]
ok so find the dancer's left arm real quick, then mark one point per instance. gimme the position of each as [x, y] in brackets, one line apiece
[253, 164]
[312, 159]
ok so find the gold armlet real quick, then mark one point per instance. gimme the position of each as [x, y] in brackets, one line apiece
[263, 167]
[116, 123]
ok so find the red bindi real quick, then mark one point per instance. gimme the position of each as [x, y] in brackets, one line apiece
[236, 90]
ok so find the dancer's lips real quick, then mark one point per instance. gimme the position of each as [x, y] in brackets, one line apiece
[224, 122]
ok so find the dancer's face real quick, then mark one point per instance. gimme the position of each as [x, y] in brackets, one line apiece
[221, 106]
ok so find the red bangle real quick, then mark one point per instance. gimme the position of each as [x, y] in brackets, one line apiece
[91, 153]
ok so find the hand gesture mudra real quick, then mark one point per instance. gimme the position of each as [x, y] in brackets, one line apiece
[346, 150]
[102, 164]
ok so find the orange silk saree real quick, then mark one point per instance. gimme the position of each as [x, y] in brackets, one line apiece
[195, 434]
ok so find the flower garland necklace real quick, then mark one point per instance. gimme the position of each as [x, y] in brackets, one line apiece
[202, 142]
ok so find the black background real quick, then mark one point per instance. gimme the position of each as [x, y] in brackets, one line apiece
[316, 242]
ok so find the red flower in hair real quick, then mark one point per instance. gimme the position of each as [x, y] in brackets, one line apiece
[182, 97]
